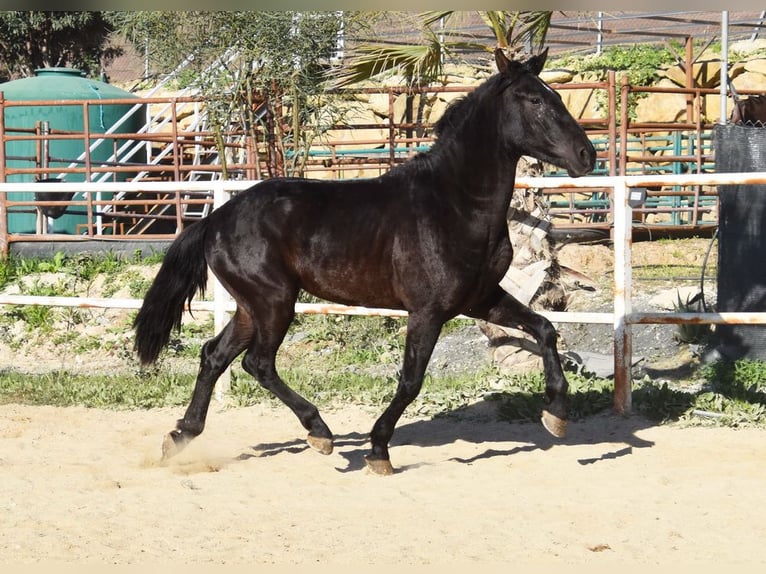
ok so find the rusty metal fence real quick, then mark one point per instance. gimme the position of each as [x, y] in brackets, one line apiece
[179, 148]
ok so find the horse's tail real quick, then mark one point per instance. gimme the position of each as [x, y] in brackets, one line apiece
[182, 274]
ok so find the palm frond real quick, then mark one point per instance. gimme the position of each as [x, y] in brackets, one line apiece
[431, 17]
[422, 63]
[418, 63]
[534, 29]
[502, 24]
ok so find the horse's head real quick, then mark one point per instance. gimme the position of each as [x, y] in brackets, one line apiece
[535, 120]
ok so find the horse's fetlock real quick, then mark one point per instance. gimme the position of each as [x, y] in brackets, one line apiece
[190, 428]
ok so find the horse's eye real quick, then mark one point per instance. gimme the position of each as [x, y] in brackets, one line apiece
[536, 101]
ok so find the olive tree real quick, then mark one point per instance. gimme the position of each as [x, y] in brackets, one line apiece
[261, 71]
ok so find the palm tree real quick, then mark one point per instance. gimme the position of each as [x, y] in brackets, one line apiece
[423, 62]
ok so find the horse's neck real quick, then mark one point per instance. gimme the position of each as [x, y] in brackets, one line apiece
[482, 183]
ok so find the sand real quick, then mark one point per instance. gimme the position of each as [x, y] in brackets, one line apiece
[84, 485]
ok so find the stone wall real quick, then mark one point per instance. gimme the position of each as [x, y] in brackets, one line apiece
[747, 70]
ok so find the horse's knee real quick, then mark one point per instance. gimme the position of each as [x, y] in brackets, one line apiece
[543, 331]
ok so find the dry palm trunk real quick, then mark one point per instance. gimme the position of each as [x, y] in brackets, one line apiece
[533, 278]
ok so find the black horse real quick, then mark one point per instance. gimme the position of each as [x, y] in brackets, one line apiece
[430, 237]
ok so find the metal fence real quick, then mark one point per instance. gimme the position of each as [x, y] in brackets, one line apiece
[622, 317]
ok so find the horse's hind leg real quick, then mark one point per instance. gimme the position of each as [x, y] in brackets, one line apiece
[502, 309]
[217, 354]
[260, 362]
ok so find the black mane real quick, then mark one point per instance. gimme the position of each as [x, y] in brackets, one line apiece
[462, 110]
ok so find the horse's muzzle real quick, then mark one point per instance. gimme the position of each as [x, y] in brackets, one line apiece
[584, 160]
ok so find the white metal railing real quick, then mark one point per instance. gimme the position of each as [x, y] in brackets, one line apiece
[622, 317]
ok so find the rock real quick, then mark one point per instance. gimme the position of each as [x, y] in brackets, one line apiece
[704, 74]
[757, 66]
[556, 76]
[747, 46]
[347, 138]
[750, 81]
[656, 107]
[582, 103]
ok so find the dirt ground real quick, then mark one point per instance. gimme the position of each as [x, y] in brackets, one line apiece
[87, 486]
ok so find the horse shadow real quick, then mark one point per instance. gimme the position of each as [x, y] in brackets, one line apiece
[479, 423]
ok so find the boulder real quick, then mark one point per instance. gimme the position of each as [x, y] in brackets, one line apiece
[556, 76]
[750, 81]
[348, 138]
[656, 107]
[705, 74]
[583, 103]
[757, 66]
[747, 46]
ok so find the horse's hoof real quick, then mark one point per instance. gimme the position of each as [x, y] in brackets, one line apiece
[172, 444]
[320, 444]
[379, 467]
[554, 425]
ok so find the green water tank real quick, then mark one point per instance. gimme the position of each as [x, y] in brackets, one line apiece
[51, 84]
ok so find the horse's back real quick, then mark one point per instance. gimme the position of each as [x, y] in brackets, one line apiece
[333, 238]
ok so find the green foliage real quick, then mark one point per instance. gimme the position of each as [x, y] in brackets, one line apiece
[522, 399]
[62, 275]
[34, 40]
[690, 332]
[735, 391]
[256, 69]
[81, 267]
[422, 62]
[660, 402]
[322, 388]
[639, 62]
[349, 339]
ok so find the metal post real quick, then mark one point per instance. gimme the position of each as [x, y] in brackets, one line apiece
[724, 65]
[622, 295]
[4, 247]
[220, 298]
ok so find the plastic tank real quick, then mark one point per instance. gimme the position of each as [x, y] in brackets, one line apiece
[62, 84]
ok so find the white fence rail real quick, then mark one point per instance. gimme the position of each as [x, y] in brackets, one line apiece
[622, 318]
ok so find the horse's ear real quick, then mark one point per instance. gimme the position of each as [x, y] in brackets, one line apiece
[502, 61]
[535, 64]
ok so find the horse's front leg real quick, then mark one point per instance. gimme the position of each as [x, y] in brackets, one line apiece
[422, 334]
[502, 309]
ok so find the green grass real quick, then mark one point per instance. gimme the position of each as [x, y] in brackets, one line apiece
[65, 389]
[338, 360]
[732, 394]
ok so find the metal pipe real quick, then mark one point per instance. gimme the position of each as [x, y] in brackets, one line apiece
[724, 65]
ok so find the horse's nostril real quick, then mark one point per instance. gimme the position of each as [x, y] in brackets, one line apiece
[587, 154]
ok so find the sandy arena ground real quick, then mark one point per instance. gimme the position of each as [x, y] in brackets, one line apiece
[86, 486]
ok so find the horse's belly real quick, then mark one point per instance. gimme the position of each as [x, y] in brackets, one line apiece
[355, 292]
